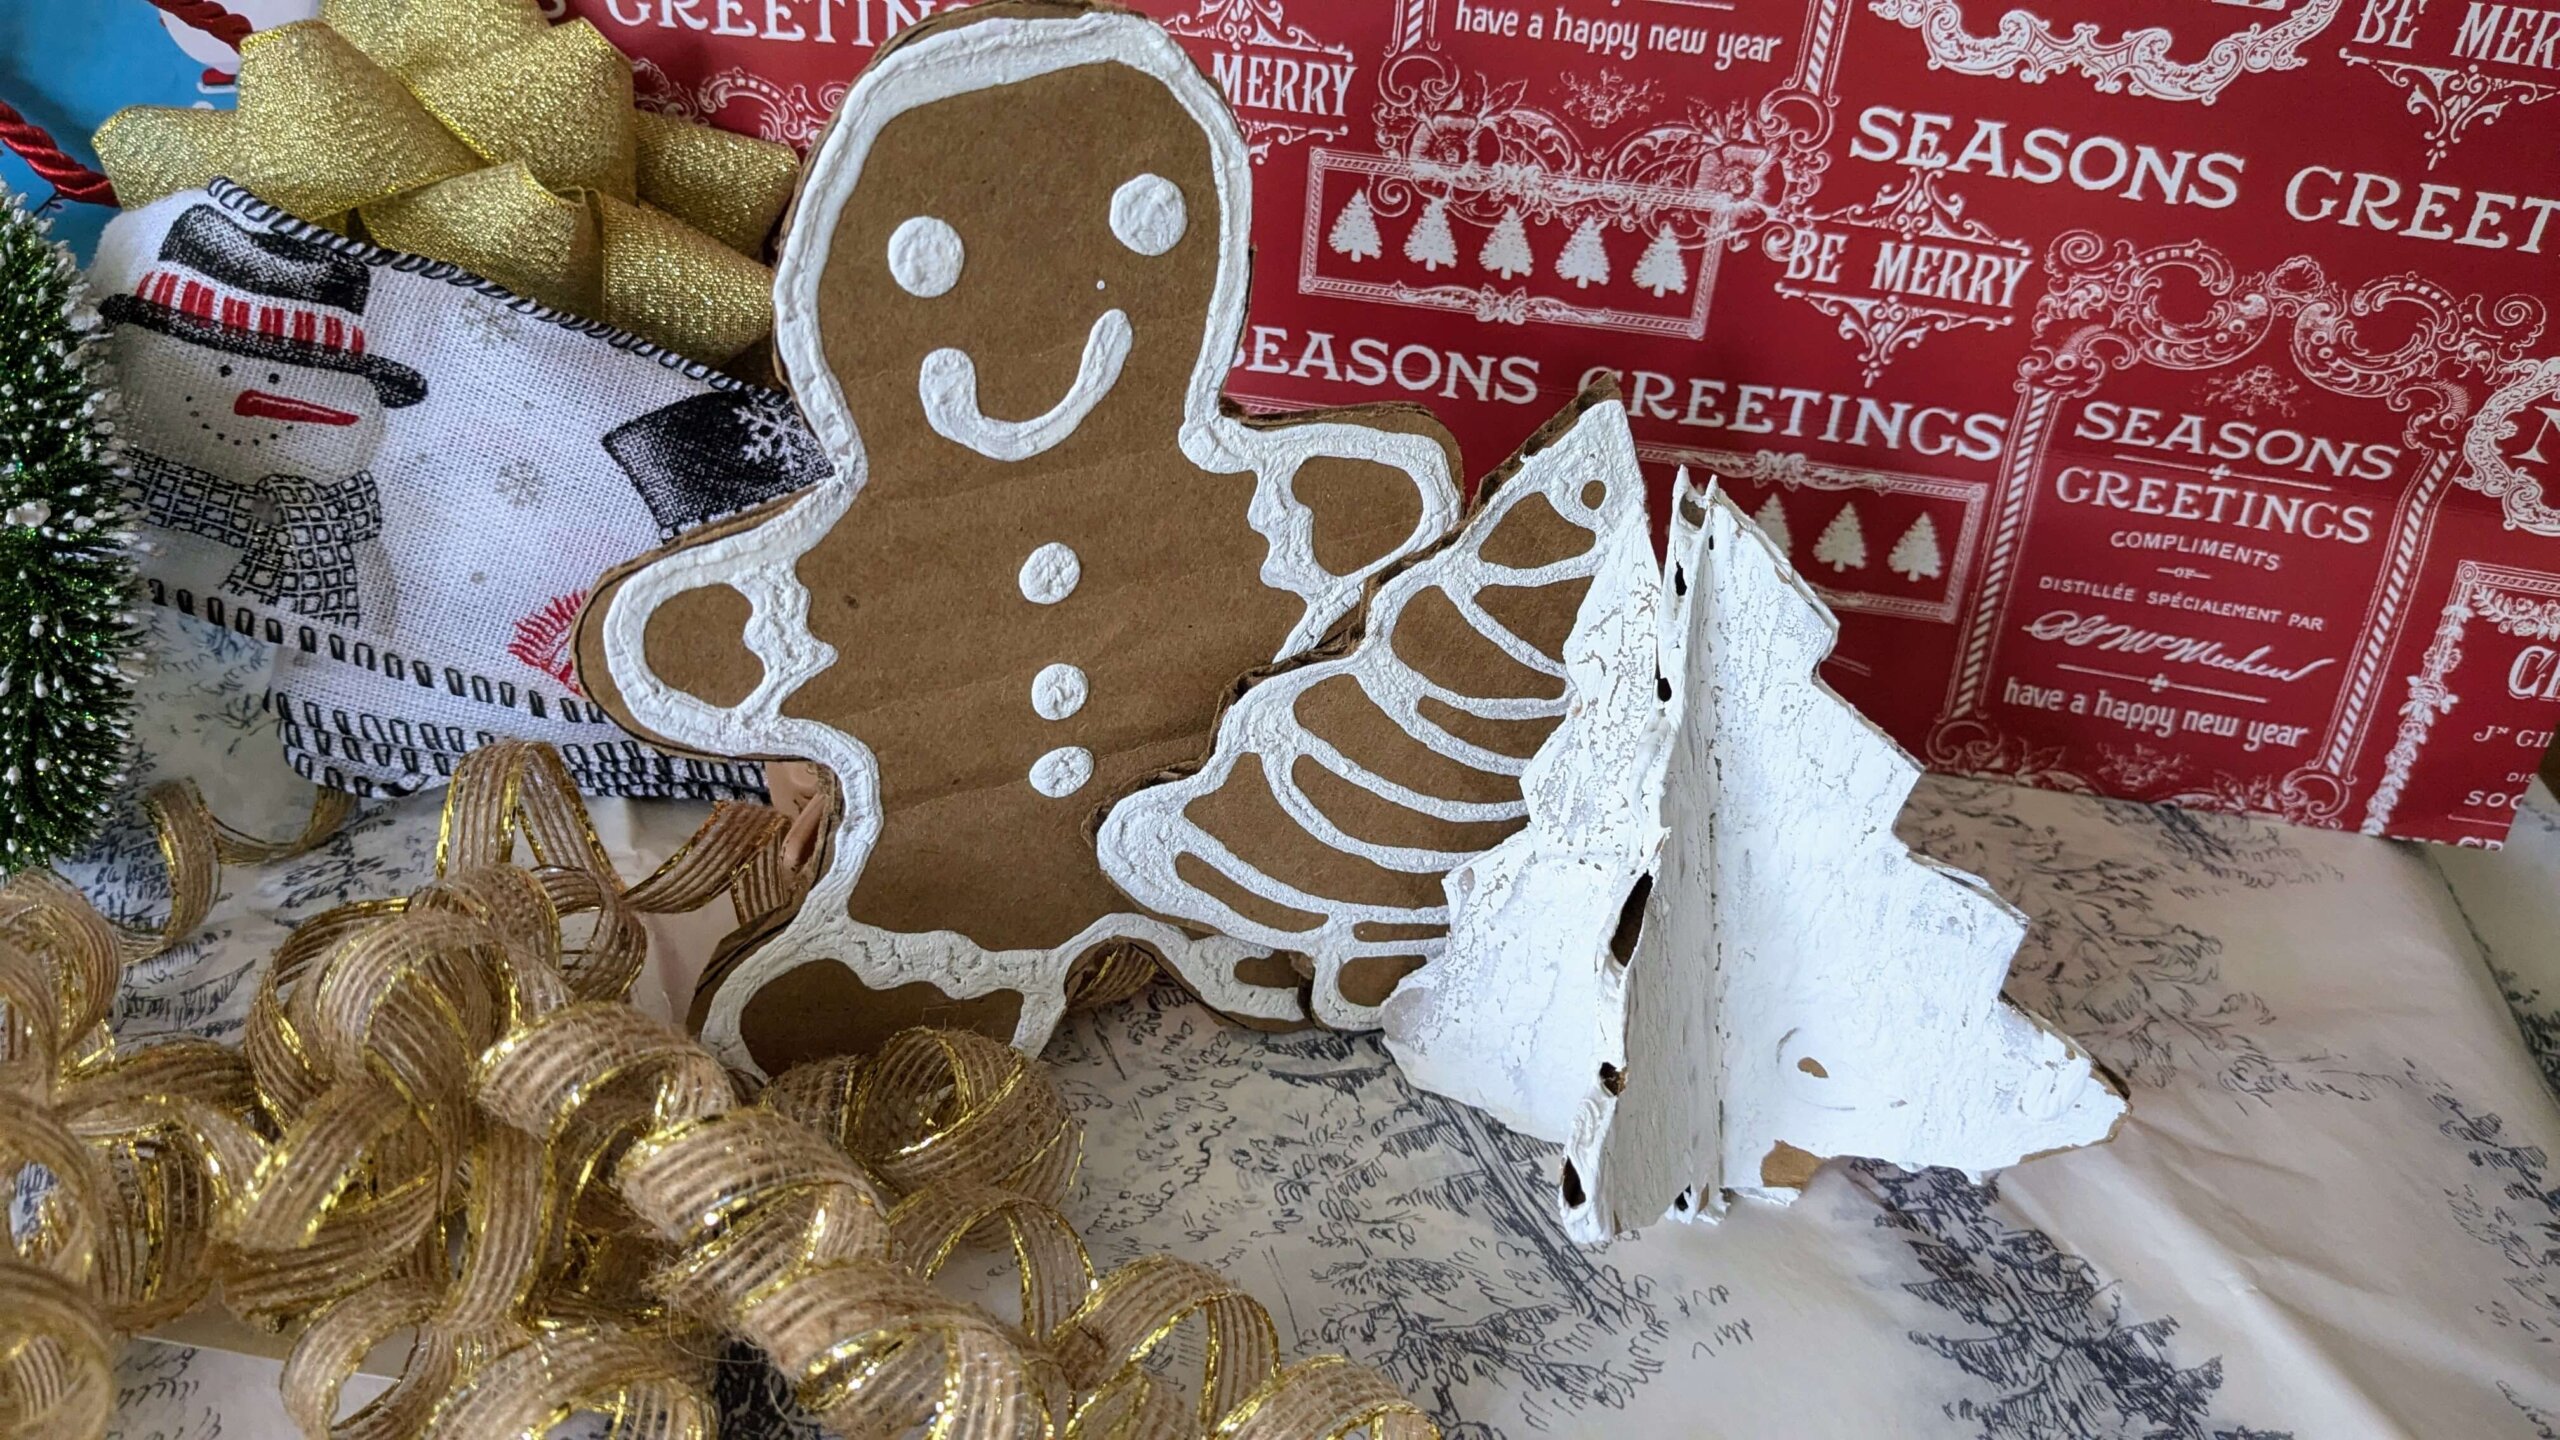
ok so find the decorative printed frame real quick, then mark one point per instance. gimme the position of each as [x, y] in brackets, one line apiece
[1794, 471]
[2521, 603]
[1429, 112]
[2026, 49]
[2101, 313]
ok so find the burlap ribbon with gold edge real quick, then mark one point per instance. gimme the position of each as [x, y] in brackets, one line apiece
[476, 132]
[445, 1119]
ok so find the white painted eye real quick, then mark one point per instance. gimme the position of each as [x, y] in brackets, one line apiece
[1147, 214]
[924, 257]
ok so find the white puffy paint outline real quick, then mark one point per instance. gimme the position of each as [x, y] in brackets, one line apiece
[1800, 975]
[1147, 833]
[947, 383]
[761, 562]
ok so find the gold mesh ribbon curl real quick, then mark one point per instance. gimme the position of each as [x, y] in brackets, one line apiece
[476, 132]
[446, 1120]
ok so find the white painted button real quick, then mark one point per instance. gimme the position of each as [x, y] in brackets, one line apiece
[1062, 772]
[925, 257]
[1148, 215]
[1050, 575]
[1057, 692]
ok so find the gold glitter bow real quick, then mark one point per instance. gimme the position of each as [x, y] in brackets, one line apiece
[476, 132]
[445, 1119]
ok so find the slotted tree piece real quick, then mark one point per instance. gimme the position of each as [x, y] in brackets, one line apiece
[1343, 784]
[1706, 963]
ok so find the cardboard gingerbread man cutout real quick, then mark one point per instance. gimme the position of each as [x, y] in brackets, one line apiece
[1014, 280]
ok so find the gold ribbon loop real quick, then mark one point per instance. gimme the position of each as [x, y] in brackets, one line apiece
[647, 1388]
[456, 1065]
[938, 1222]
[58, 1377]
[1326, 1398]
[328, 1352]
[475, 132]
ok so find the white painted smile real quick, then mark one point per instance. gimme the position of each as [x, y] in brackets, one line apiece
[948, 384]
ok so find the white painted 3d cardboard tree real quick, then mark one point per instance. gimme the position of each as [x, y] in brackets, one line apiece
[1703, 962]
[1707, 964]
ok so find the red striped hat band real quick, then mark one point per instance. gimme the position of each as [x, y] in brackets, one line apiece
[189, 293]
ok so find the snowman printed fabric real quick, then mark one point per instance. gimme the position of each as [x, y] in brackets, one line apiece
[408, 478]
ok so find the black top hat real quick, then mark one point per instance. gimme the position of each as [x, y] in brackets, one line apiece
[715, 454]
[264, 295]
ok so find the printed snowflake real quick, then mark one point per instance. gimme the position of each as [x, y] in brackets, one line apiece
[772, 433]
[520, 484]
[1605, 101]
[2257, 390]
[489, 323]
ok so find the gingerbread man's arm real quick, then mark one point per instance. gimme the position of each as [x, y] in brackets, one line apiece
[693, 636]
[1367, 486]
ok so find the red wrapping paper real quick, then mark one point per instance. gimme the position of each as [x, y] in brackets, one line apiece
[2166, 396]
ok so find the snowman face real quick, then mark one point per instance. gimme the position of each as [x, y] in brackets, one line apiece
[1021, 265]
[242, 417]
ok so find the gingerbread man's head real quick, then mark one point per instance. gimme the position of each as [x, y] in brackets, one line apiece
[1024, 238]
[1013, 282]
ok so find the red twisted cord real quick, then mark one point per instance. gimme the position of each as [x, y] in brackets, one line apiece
[70, 178]
[208, 17]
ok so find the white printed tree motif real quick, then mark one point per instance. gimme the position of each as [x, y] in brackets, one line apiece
[1662, 270]
[1506, 250]
[1355, 230]
[1585, 260]
[1431, 245]
[1843, 543]
[1772, 521]
[1916, 556]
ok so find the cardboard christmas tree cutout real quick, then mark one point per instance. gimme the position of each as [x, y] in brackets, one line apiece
[1046, 547]
[1706, 963]
[1344, 784]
